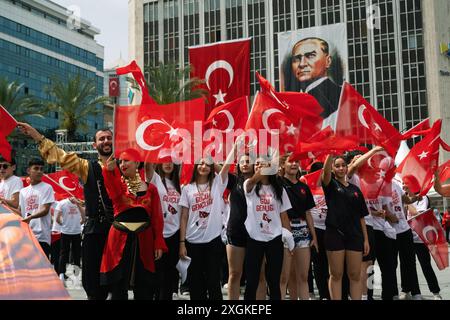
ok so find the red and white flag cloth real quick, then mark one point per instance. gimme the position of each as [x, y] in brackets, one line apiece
[225, 67]
[65, 184]
[158, 131]
[356, 117]
[313, 182]
[224, 124]
[114, 86]
[420, 129]
[444, 171]
[134, 69]
[417, 169]
[376, 175]
[430, 232]
[7, 125]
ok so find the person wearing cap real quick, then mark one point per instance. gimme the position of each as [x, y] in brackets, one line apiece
[135, 239]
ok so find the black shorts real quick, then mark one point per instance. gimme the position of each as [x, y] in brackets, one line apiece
[337, 241]
[371, 237]
[237, 240]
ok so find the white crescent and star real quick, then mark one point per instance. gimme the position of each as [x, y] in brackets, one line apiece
[265, 119]
[230, 120]
[140, 135]
[423, 155]
[429, 228]
[219, 64]
[113, 84]
[61, 183]
[361, 118]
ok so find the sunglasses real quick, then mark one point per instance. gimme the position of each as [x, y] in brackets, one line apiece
[5, 166]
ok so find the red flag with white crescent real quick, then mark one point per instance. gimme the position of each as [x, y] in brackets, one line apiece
[114, 87]
[65, 184]
[430, 232]
[225, 67]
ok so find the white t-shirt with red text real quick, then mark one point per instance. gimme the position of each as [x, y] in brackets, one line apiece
[263, 221]
[31, 200]
[395, 205]
[10, 186]
[205, 210]
[319, 212]
[169, 204]
[71, 217]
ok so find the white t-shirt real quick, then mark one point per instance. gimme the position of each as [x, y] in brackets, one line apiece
[395, 205]
[71, 217]
[420, 206]
[263, 221]
[169, 204]
[56, 227]
[376, 205]
[10, 186]
[319, 212]
[355, 180]
[205, 210]
[31, 199]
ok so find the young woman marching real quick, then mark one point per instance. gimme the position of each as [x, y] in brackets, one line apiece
[346, 235]
[267, 205]
[135, 240]
[302, 228]
[201, 227]
[166, 178]
[236, 232]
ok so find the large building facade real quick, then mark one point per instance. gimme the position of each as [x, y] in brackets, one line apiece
[394, 45]
[40, 40]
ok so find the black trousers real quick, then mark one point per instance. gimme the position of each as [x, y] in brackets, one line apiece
[92, 251]
[320, 261]
[69, 242]
[166, 272]
[408, 272]
[423, 255]
[274, 251]
[55, 249]
[204, 270]
[46, 248]
[386, 255]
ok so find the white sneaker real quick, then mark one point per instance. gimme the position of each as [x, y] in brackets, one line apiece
[437, 296]
[364, 297]
[417, 297]
[225, 286]
[404, 296]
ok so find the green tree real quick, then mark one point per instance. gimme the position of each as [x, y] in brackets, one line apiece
[74, 100]
[17, 103]
[167, 83]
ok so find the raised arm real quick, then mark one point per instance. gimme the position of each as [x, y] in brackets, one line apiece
[443, 190]
[326, 173]
[355, 165]
[52, 154]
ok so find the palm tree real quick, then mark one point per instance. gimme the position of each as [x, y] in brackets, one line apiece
[168, 84]
[74, 100]
[19, 105]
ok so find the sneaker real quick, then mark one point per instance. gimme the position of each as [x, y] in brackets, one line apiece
[76, 270]
[225, 286]
[364, 297]
[417, 297]
[437, 296]
[312, 296]
[404, 296]
[175, 296]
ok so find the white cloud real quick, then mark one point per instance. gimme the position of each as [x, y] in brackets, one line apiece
[111, 17]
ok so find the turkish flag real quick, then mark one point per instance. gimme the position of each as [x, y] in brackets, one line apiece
[418, 167]
[225, 67]
[313, 182]
[114, 87]
[224, 124]
[160, 131]
[7, 125]
[444, 172]
[376, 175]
[134, 69]
[356, 117]
[430, 232]
[444, 145]
[65, 184]
[420, 129]
[330, 144]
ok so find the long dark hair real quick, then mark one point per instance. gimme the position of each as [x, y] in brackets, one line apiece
[211, 174]
[174, 176]
[273, 181]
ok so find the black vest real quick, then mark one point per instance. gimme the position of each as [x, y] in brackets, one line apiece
[99, 208]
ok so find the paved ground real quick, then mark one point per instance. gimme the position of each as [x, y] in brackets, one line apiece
[74, 284]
